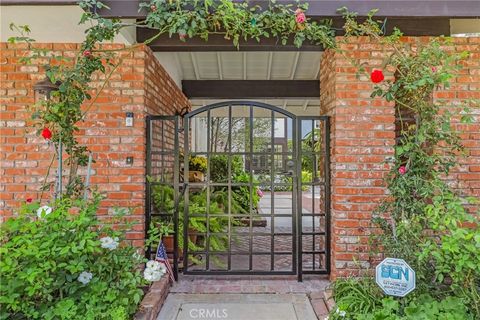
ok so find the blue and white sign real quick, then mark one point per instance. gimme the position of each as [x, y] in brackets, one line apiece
[395, 277]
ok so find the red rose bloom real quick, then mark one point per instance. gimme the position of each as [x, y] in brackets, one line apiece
[46, 133]
[377, 76]
[87, 53]
[29, 200]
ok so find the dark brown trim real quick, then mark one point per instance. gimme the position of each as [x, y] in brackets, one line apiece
[410, 27]
[248, 89]
[37, 3]
[317, 8]
[216, 43]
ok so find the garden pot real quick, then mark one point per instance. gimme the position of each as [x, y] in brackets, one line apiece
[196, 176]
[169, 244]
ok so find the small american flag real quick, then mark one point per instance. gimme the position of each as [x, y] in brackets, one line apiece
[162, 257]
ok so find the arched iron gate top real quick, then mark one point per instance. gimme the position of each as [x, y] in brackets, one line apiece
[239, 103]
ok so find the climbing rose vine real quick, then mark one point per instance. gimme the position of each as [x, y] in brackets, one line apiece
[236, 21]
[423, 220]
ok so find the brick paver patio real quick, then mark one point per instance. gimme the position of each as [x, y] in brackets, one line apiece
[249, 284]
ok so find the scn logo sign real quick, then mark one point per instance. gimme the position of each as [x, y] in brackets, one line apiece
[395, 277]
[396, 273]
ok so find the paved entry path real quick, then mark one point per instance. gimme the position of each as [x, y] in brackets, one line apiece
[241, 298]
[237, 307]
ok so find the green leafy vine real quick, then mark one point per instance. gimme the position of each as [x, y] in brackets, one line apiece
[237, 21]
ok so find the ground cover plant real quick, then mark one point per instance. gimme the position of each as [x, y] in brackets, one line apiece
[423, 221]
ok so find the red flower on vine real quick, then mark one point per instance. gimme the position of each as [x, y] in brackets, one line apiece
[377, 76]
[402, 170]
[87, 53]
[46, 134]
[29, 200]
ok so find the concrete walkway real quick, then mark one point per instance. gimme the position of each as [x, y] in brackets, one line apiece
[237, 307]
[245, 298]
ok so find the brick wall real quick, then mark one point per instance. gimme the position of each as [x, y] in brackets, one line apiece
[139, 85]
[466, 176]
[363, 137]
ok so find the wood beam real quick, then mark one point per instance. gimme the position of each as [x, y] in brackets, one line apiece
[328, 8]
[216, 42]
[317, 8]
[247, 89]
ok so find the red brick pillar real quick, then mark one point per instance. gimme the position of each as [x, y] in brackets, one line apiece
[362, 139]
[466, 86]
[139, 85]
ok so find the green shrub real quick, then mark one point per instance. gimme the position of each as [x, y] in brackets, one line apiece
[219, 167]
[242, 195]
[45, 259]
[456, 255]
[357, 295]
[361, 299]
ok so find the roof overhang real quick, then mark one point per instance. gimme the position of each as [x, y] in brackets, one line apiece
[412, 17]
[317, 8]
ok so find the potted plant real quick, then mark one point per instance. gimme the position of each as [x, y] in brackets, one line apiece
[197, 166]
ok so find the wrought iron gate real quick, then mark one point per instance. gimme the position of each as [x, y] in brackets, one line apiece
[247, 192]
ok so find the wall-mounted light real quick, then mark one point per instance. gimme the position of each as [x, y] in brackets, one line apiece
[181, 114]
[44, 88]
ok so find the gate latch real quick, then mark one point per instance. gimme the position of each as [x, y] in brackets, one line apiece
[290, 171]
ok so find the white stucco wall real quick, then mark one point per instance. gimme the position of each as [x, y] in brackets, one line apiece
[465, 26]
[59, 24]
[51, 24]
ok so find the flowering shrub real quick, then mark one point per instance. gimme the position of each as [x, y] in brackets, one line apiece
[154, 270]
[61, 265]
[198, 163]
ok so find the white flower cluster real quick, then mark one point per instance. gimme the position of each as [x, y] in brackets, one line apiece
[109, 243]
[85, 277]
[43, 211]
[341, 313]
[154, 270]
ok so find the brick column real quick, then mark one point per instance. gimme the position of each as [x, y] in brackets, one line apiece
[466, 176]
[362, 138]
